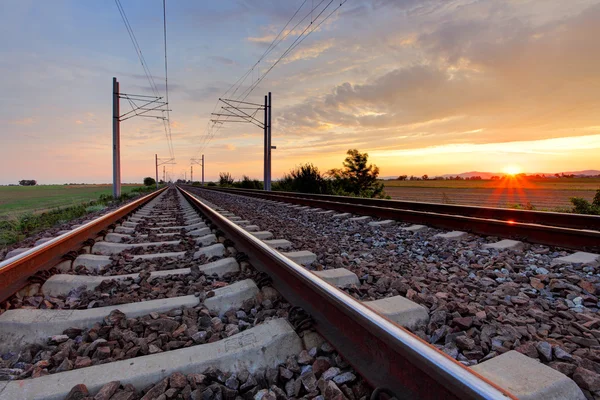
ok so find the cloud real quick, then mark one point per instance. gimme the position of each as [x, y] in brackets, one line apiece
[309, 52]
[223, 60]
[504, 76]
[23, 121]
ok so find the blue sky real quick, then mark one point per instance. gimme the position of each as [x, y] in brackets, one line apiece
[424, 86]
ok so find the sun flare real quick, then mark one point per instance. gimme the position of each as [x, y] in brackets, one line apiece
[512, 170]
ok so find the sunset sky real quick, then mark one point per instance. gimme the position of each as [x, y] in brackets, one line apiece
[424, 86]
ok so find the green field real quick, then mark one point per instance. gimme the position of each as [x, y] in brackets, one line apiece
[17, 200]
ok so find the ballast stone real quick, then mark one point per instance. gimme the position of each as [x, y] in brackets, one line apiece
[266, 345]
[42, 241]
[506, 244]
[454, 235]
[16, 252]
[528, 379]
[400, 310]
[340, 277]
[580, 257]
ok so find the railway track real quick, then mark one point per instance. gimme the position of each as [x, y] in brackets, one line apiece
[181, 297]
[575, 231]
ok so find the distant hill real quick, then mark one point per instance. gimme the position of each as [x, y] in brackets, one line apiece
[587, 172]
[488, 175]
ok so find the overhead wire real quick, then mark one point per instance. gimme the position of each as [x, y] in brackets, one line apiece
[146, 69]
[212, 130]
[137, 48]
[168, 121]
[243, 78]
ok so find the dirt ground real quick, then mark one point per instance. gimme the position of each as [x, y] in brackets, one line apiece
[541, 199]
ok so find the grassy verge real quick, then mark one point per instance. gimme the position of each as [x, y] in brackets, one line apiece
[19, 227]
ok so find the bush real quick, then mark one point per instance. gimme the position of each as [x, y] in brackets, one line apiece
[211, 184]
[305, 179]
[148, 181]
[582, 206]
[247, 183]
[225, 179]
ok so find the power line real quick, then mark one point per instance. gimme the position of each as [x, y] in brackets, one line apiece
[137, 48]
[153, 86]
[213, 129]
[168, 121]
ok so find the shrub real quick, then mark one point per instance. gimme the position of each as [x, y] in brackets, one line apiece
[247, 183]
[211, 184]
[582, 206]
[148, 181]
[225, 179]
[306, 179]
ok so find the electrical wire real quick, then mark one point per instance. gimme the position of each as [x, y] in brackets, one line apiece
[151, 81]
[137, 48]
[168, 121]
[213, 129]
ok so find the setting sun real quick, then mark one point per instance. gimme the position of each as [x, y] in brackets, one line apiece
[512, 170]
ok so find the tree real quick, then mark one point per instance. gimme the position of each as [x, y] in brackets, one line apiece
[225, 179]
[148, 181]
[425, 177]
[402, 177]
[356, 177]
[27, 182]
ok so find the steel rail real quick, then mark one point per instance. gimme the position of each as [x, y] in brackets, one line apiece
[384, 353]
[588, 240]
[15, 271]
[563, 220]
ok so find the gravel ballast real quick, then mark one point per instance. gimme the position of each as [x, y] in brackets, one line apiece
[482, 302]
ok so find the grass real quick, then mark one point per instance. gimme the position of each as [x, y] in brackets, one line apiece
[554, 184]
[17, 200]
[26, 212]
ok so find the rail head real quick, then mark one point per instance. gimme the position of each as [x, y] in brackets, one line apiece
[559, 219]
[578, 239]
[384, 353]
[15, 271]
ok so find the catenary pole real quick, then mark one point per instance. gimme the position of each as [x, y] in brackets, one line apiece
[116, 142]
[156, 166]
[202, 169]
[269, 146]
[266, 161]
